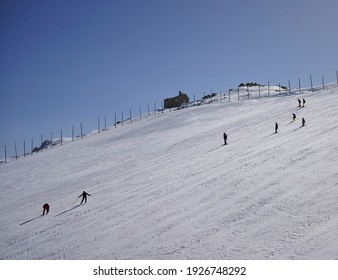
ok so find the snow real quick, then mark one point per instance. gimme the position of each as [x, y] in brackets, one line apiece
[165, 186]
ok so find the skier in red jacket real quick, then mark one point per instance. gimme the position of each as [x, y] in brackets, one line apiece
[45, 209]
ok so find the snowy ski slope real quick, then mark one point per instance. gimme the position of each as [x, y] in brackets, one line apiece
[165, 187]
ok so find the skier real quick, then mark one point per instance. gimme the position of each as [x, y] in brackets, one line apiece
[45, 209]
[303, 102]
[84, 197]
[225, 137]
[299, 103]
[276, 127]
[293, 116]
[303, 122]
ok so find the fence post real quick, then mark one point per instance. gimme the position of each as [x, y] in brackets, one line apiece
[268, 88]
[229, 94]
[131, 120]
[279, 89]
[61, 136]
[105, 122]
[323, 81]
[32, 147]
[148, 109]
[122, 118]
[5, 154]
[139, 109]
[247, 88]
[154, 108]
[16, 152]
[289, 87]
[238, 93]
[311, 83]
[259, 91]
[115, 120]
[300, 87]
[81, 130]
[337, 76]
[24, 148]
[72, 133]
[51, 140]
[98, 124]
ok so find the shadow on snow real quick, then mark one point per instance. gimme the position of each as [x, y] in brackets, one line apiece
[64, 212]
[31, 220]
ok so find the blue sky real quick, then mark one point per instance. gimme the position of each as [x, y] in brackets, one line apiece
[66, 62]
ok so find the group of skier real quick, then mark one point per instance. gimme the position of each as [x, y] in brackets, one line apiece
[294, 115]
[294, 118]
[225, 136]
[300, 103]
[84, 199]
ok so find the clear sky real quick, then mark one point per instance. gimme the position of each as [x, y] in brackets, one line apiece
[70, 61]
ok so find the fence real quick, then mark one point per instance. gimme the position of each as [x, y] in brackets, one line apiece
[52, 142]
[255, 91]
[243, 92]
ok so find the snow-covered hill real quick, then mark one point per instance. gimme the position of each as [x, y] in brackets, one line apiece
[166, 187]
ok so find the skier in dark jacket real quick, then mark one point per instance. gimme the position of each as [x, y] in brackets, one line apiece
[225, 137]
[293, 116]
[299, 103]
[276, 127]
[303, 122]
[303, 102]
[45, 209]
[84, 197]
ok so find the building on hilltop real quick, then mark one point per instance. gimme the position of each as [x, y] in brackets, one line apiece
[176, 101]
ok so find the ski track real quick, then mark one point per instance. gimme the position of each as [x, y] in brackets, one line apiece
[166, 187]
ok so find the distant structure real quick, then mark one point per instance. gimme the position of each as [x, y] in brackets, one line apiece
[176, 101]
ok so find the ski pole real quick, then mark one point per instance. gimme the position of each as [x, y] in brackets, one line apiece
[75, 201]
